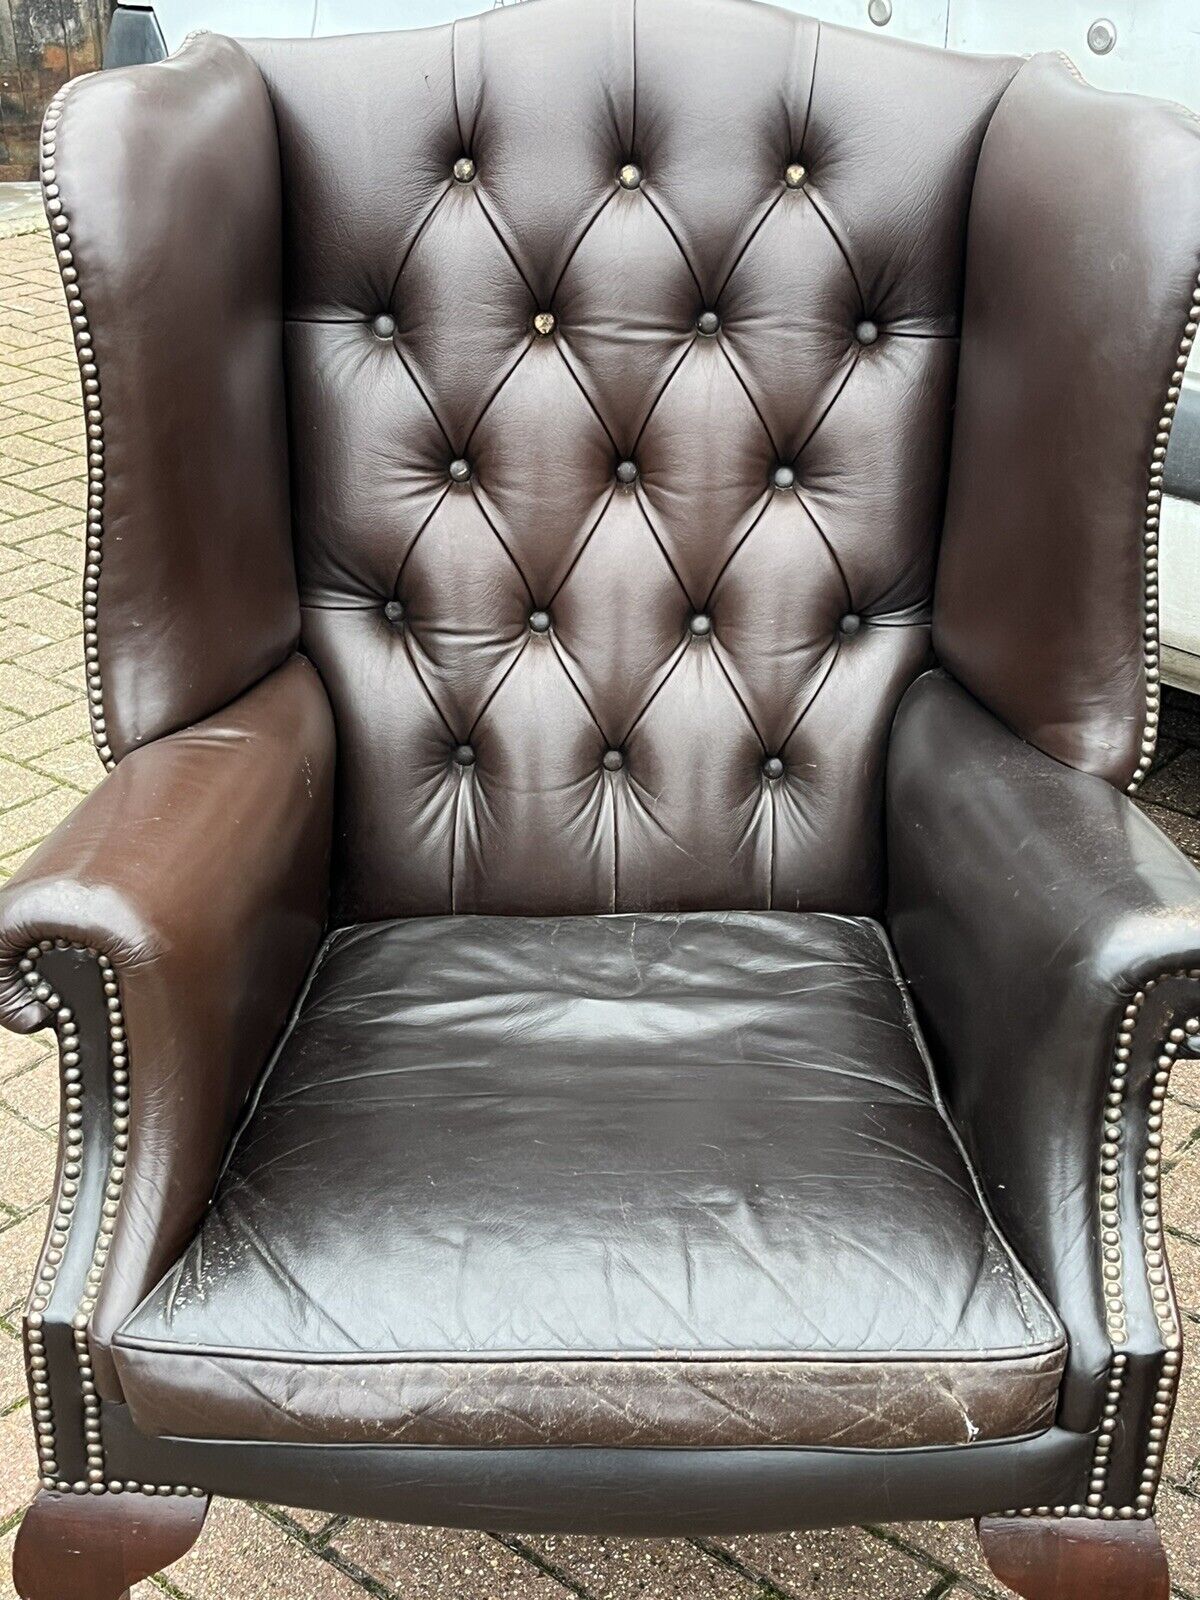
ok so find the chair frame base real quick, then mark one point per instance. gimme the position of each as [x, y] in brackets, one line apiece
[1076, 1558]
[96, 1547]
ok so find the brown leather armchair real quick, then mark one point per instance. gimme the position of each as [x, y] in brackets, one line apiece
[614, 982]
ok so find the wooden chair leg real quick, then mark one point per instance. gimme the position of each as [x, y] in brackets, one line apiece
[96, 1547]
[1076, 1558]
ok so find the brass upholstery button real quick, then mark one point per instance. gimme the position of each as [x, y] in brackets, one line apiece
[630, 177]
[627, 472]
[543, 323]
[539, 621]
[383, 326]
[866, 332]
[464, 169]
[796, 176]
[394, 612]
[783, 477]
[850, 623]
[773, 768]
[707, 323]
[700, 625]
[613, 760]
[464, 755]
[460, 471]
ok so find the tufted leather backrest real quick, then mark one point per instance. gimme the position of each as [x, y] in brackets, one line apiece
[621, 345]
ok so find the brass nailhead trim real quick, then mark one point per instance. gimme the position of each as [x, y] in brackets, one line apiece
[60, 232]
[1112, 1266]
[1150, 528]
[96, 1481]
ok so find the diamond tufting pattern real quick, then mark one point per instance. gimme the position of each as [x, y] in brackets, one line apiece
[695, 471]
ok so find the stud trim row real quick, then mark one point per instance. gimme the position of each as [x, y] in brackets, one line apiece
[1154, 1260]
[63, 1214]
[60, 233]
[1150, 532]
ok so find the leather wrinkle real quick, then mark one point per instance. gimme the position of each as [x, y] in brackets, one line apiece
[623, 373]
[920, 1354]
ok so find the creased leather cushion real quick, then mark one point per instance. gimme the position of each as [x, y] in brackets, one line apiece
[635, 1180]
[411, 344]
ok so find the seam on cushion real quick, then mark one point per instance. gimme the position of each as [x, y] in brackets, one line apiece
[400, 571]
[562, 356]
[418, 675]
[583, 233]
[737, 693]
[824, 537]
[587, 538]
[1018, 1276]
[772, 814]
[462, 141]
[399, 272]
[834, 652]
[755, 230]
[1034, 1355]
[255, 1095]
[812, 84]
[633, 76]
[673, 232]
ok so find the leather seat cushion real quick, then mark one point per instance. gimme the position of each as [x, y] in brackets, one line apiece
[601, 1180]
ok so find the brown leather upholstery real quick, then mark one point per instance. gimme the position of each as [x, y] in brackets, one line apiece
[641, 1180]
[537, 823]
[199, 587]
[579, 387]
[1023, 977]
[1048, 578]
[200, 868]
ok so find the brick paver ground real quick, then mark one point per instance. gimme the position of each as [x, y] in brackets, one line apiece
[257, 1553]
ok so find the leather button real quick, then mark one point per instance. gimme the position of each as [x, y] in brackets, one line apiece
[773, 768]
[850, 623]
[543, 324]
[394, 612]
[464, 169]
[627, 472]
[796, 176]
[539, 621]
[783, 477]
[866, 332]
[700, 625]
[613, 761]
[630, 177]
[460, 471]
[707, 323]
[383, 326]
[464, 755]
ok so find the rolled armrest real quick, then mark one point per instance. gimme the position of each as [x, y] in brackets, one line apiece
[1051, 936]
[196, 877]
